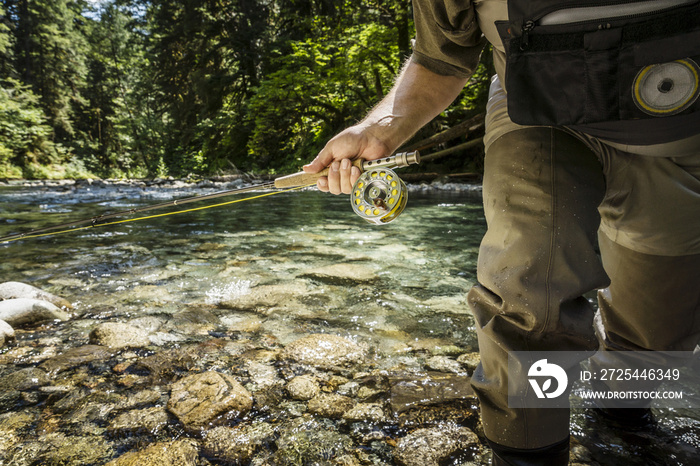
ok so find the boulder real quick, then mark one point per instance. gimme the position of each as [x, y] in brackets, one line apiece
[325, 351]
[119, 335]
[200, 399]
[14, 290]
[27, 311]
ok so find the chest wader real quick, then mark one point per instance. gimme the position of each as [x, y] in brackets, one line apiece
[568, 63]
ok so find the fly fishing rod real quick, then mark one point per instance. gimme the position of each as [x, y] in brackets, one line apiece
[379, 196]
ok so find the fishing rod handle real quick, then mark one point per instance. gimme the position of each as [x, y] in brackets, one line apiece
[401, 159]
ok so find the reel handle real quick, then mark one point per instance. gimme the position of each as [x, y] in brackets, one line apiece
[401, 159]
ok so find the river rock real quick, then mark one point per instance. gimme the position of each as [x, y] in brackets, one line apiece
[265, 297]
[444, 364]
[330, 405]
[303, 387]
[14, 290]
[27, 311]
[7, 333]
[199, 399]
[342, 274]
[428, 447]
[371, 412]
[75, 357]
[325, 351]
[237, 445]
[24, 379]
[469, 360]
[310, 441]
[183, 452]
[119, 335]
[140, 420]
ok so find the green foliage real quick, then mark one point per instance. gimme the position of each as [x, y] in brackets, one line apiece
[134, 88]
[24, 132]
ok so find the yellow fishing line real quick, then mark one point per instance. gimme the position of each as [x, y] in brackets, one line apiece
[43, 235]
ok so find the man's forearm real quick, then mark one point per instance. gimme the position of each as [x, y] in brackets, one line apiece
[418, 96]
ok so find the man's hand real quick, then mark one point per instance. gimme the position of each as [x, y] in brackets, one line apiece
[354, 142]
[417, 97]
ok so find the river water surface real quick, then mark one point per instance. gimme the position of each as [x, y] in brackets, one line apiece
[174, 275]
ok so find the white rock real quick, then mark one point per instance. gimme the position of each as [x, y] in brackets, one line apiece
[6, 332]
[23, 311]
[14, 290]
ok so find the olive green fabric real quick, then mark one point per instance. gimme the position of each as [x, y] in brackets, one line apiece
[542, 188]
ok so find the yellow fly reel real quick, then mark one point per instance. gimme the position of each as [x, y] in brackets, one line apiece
[379, 196]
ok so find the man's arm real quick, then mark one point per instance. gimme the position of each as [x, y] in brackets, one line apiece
[418, 96]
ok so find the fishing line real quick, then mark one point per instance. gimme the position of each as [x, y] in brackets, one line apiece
[18, 237]
[379, 197]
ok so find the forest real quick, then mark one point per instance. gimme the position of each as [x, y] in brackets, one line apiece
[191, 88]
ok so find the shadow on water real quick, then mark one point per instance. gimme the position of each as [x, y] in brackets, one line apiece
[190, 281]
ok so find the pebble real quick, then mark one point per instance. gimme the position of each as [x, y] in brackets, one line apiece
[183, 452]
[28, 311]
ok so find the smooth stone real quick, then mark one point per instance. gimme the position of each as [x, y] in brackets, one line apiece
[444, 364]
[26, 311]
[140, 420]
[7, 333]
[13, 290]
[119, 335]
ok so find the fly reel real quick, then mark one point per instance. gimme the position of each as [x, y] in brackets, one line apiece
[379, 196]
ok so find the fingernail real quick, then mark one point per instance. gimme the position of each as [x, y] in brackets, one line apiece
[355, 171]
[323, 182]
[345, 164]
[335, 166]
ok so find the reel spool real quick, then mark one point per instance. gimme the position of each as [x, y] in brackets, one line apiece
[667, 89]
[379, 196]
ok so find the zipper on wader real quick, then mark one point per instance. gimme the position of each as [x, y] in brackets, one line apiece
[600, 14]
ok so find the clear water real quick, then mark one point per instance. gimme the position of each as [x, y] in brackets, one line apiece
[421, 266]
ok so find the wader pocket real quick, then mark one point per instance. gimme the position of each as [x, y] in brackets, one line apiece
[571, 67]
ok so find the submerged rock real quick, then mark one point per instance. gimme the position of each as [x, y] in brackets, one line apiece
[237, 445]
[183, 452]
[140, 420]
[325, 351]
[27, 311]
[307, 441]
[14, 290]
[429, 447]
[342, 274]
[264, 297]
[119, 335]
[330, 405]
[75, 357]
[303, 387]
[199, 399]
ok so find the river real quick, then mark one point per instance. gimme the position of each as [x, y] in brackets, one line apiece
[177, 276]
